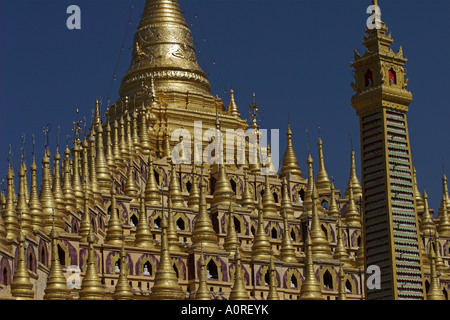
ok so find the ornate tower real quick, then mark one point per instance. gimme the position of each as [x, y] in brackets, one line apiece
[166, 79]
[390, 220]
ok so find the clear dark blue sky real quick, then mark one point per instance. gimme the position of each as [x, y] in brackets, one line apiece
[294, 55]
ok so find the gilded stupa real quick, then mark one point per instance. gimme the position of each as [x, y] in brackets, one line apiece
[120, 217]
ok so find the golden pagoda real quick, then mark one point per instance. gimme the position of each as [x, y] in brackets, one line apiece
[21, 286]
[56, 282]
[118, 174]
[123, 289]
[166, 286]
[238, 291]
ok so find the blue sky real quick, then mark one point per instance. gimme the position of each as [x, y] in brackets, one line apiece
[295, 56]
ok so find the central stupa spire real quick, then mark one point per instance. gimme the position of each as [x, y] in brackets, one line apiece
[163, 47]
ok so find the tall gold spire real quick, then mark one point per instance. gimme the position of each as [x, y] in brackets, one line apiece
[323, 183]
[47, 200]
[96, 193]
[85, 225]
[56, 282]
[152, 193]
[166, 145]
[417, 195]
[76, 177]
[194, 194]
[333, 210]
[174, 189]
[238, 291]
[163, 48]
[67, 189]
[340, 253]
[440, 265]
[166, 286]
[25, 182]
[134, 133]
[109, 154]
[445, 196]
[143, 234]
[268, 201]
[97, 116]
[342, 295]
[203, 234]
[202, 292]
[9, 214]
[34, 203]
[101, 166]
[261, 249]
[286, 203]
[91, 286]
[123, 146]
[434, 291]
[310, 289]
[247, 197]
[128, 134]
[85, 169]
[287, 252]
[57, 189]
[131, 189]
[310, 187]
[172, 237]
[320, 245]
[352, 217]
[444, 221]
[143, 129]
[233, 109]
[427, 225]
[114, 231]
[231, 243]
[22, 207]
[122, 289]
[353, 181]
[21, 286]
[290, 163]
[273, 293]
[116, 144]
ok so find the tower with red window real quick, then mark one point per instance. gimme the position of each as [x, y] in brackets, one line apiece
[390, 221]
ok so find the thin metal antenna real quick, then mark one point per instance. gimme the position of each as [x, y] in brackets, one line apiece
[307, 135]
[84, 127]
[318, 128]
[34, 143]
[351, 141]
[57, 138]
[22, 149]
[10, 155]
